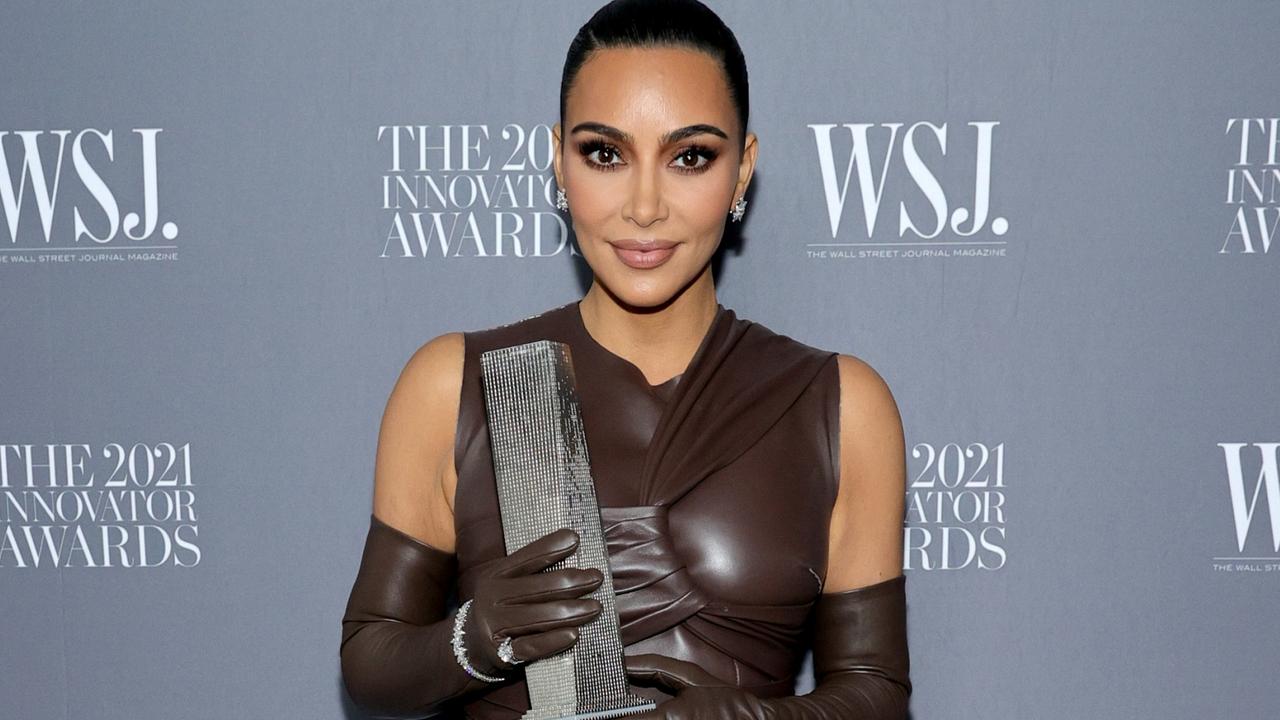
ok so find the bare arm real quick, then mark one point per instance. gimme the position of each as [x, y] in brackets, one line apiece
[414, 478]
[397, 635]
[395, 652]
[866, 523]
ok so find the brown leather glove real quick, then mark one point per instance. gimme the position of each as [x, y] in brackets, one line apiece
[860, 660]
[397, 658]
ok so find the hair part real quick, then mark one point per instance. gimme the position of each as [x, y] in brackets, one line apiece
[661, 23]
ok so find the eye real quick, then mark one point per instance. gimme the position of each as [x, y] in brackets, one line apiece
[700, 155]
[607, 152]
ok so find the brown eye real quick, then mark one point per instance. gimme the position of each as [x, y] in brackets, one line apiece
[690, 158]
[599, 155]
[701, 157]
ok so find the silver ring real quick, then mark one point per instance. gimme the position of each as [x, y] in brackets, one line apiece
[506, 653]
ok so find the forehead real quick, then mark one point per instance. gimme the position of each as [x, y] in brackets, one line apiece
[654, 89]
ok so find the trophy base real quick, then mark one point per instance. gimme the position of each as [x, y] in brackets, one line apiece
[574, 714]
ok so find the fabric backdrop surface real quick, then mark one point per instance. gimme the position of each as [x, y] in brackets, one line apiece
[1051, 227]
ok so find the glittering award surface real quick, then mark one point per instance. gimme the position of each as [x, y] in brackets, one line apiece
[544, 481]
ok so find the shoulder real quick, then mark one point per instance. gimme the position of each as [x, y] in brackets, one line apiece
[424, 401]
[872, 454]
[779, 348]
[438, 363]
[552, 322]
[433, 362]
[432, 376]
[872, 448]
[862, 390]
[425, 394]
[865, 397]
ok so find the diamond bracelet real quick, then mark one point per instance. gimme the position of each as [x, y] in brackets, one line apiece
[460, 652]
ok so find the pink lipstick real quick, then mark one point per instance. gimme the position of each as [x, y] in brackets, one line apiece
[643, 255]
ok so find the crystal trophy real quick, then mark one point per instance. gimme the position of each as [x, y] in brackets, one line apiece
[544, 483]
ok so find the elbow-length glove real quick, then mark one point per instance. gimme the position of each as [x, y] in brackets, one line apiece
[860, 661]
[396, 652]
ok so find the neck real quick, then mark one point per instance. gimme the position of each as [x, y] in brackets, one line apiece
[660, 340]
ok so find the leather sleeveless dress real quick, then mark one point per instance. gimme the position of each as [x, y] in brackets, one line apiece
[715, 488]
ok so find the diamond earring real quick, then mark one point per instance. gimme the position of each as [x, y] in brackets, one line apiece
[562, 202]
[739, 208]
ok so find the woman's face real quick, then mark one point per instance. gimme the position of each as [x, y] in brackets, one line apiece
[650, 153]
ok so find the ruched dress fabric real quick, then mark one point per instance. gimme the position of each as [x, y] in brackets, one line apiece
[715, 487]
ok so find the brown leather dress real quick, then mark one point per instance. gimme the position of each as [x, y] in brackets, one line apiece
[715, 488]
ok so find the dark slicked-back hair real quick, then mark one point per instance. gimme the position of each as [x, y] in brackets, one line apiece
[657, 23]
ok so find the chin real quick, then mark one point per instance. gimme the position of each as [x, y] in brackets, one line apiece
[646, 296]
[653, 290]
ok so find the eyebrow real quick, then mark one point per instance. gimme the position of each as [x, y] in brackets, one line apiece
[673, 136]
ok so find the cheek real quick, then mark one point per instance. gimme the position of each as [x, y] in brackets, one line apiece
[595, 197]
[700, 201]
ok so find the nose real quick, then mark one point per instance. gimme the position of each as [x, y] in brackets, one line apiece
[644, 204]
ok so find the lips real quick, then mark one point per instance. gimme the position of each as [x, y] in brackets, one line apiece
[633, 244]
[643, 255]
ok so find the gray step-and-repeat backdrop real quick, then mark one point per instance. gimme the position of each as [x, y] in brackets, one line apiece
[1054, 228]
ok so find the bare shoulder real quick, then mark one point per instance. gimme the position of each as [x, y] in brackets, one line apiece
[866, 402]
[413, 472]
[866, 524]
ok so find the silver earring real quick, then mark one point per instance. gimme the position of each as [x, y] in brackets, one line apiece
[562, 201]
[739, 208]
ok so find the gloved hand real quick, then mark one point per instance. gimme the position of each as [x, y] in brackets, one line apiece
[540, 611]
[397, 659]
[860, 659]
[699, 695]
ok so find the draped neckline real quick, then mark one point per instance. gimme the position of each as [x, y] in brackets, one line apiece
[741, 380]
[662, 389]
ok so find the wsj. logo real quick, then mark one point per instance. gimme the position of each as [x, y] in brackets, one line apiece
[25, 165]
[1244, 500]
[856, 140]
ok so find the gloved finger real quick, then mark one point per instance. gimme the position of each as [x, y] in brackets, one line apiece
[565, 584]
[539, 554]
[673, 674]
[540, 617]
[545, 644]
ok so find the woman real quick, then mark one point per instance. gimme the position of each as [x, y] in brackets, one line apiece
[751, 487]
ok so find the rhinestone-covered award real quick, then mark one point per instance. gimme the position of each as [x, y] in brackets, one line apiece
[544, 482]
